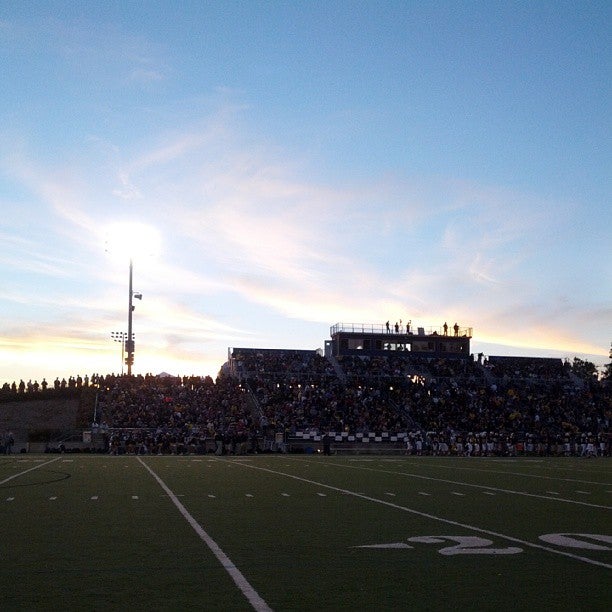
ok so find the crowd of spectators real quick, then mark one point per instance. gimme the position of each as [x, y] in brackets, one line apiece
[462, 406]
[263, 398]
[34, 389]
[154, 414]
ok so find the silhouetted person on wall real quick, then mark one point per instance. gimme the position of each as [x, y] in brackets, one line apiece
[456, 328]
[445, 327]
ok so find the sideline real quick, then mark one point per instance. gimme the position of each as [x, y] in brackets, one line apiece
[465, 484]
[431, 516]
[29, 470]
[241, 582]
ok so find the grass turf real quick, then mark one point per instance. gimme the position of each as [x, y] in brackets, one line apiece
[307, 532]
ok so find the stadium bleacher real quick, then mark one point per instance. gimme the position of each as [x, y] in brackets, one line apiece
[288, 400]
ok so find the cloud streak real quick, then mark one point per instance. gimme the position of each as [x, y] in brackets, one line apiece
[240, 220]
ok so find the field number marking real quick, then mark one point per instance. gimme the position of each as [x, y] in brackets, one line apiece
[466, 545]
[578, 540]
[475, 545]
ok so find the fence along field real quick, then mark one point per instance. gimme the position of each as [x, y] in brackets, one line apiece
[289, 533]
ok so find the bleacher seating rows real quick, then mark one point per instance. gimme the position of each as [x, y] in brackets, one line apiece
[301, 395]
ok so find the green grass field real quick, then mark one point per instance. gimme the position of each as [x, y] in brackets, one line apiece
[289, 532]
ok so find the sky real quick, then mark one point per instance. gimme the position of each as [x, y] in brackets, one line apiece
[283, 166]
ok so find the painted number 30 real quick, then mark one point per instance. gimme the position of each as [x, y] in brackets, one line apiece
[474, 545]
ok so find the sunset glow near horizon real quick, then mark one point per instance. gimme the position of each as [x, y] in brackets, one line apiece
[285, 166]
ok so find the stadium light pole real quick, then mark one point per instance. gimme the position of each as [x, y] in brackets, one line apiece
[129, 343]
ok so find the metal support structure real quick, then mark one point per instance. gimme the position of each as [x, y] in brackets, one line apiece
[129, 343]
[121, 336]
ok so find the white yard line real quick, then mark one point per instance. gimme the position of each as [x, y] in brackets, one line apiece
[29, 470]
[432, 516]
[236, 575]
[468, 484]
[486, 471]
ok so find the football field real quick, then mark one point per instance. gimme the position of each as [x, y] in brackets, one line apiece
[304, 532]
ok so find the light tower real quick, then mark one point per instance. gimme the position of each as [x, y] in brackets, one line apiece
[129, 342]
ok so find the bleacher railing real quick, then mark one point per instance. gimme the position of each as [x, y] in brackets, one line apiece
[381, 328]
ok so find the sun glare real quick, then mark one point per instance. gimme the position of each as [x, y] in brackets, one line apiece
[135, 240]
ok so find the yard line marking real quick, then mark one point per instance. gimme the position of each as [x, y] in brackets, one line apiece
[435, 518]
[285, 494]
[10, 499]
[527, 475]
[94, 497]
[28, 470]
[236, 575]
[423, 493]
[53, 498]
[322, 494]
[390, 494]
[248, 495]
[212, 496]
[468, 484]
[553, 492]
[457, 493]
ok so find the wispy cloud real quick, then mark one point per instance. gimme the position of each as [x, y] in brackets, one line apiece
[241, 220]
